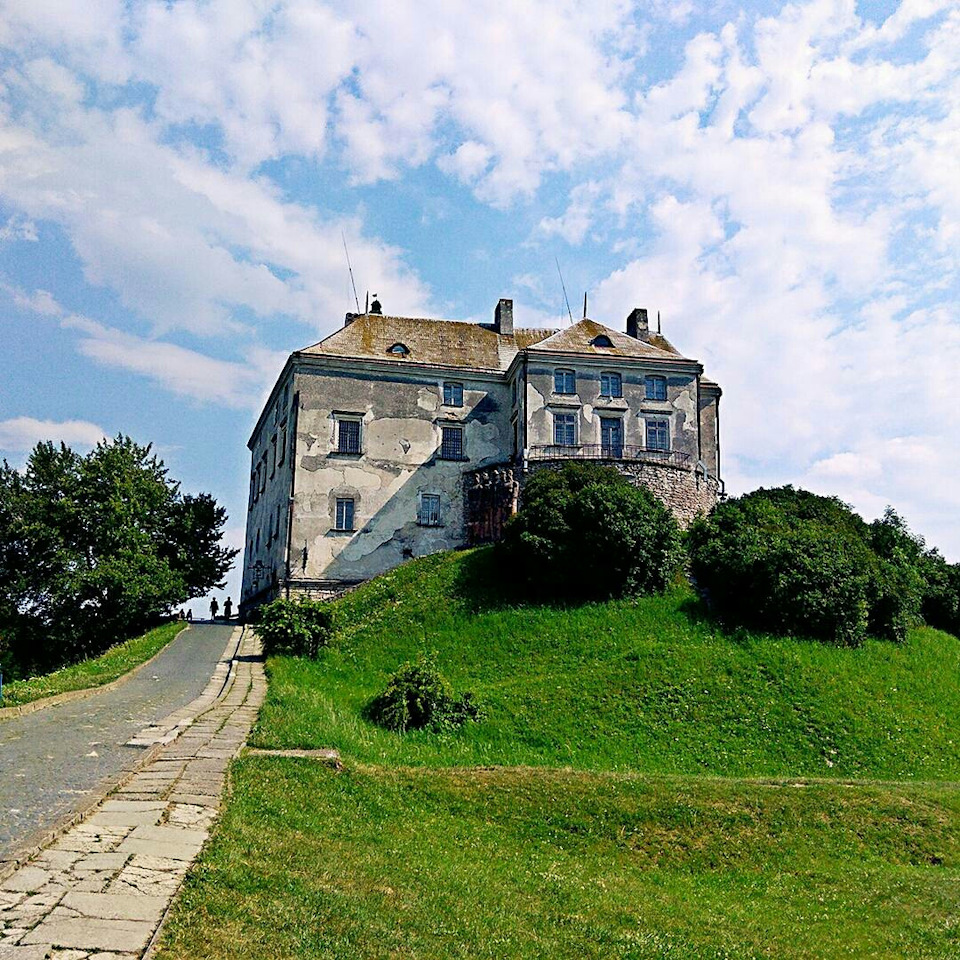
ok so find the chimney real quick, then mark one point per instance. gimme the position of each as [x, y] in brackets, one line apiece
[637, 325]
[503, 318]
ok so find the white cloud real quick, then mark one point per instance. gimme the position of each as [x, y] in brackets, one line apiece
[573, 225]
[21, 434]
[184, 372]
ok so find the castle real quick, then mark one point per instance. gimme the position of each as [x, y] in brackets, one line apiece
[397, 437]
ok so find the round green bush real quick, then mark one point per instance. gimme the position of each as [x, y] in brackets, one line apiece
[790, 561]
[585, 532]
[296, 628]
[417, 696]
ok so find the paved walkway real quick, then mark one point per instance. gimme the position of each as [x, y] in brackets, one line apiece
[101, 889]
[51, 760]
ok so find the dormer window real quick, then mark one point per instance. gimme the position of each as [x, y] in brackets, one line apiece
[602, 341]
[399, 350]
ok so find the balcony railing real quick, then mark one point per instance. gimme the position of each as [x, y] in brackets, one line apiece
[605, 451]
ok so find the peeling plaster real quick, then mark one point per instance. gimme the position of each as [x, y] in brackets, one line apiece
[686, 404]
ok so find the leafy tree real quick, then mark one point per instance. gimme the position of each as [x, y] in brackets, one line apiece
[92, 548]
[585, 532]
[788, 560]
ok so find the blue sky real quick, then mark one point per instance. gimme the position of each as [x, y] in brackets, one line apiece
[780, 181]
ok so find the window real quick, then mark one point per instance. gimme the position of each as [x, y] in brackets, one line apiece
[451, 443]
[602, 341]
[253, 488]
[564, 381]
[399, 350]
[658, 434]
[611, 436]
[282, 447]
[344, 513]
[348, 436]
[429, 510]
[453, 394]
[262, 469]
[611, 385]
[655, 387]
[273, 455]
[564, 429]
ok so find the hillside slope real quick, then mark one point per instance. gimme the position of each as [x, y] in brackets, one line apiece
[649, 686]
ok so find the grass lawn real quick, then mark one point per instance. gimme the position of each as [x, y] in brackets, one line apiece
[440, 863]
[644, 786]
[118, 660]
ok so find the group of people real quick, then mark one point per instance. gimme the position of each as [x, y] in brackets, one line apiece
[214, 610]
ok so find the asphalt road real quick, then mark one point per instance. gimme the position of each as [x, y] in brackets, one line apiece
[51, 758]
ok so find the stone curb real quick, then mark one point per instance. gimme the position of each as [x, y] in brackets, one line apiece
[41, 840]
[70, 695]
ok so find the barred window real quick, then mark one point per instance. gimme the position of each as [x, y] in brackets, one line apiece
[658, 434]
[564, 381]
[655, 388]
[344, 518]
[611, 385]
[451, 443]
[348, 436]
[453, 394]
[564, 429]
[429, 510]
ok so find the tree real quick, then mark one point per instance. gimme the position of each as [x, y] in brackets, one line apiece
[92, 548]
[789, 560]
[585, 532]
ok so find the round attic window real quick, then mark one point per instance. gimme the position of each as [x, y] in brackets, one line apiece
[399, 350]
[602, 341]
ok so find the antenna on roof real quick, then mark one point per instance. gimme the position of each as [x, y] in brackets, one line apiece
[564, 289]
[658, 321]
[584, 304]
[356, 299]
[366, 309]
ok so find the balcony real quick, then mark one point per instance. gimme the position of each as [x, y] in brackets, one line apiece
[602, 451]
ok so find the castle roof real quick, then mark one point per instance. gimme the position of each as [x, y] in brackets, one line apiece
[452, 343]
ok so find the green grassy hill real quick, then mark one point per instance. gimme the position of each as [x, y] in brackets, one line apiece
[647, 686]
[645, 786]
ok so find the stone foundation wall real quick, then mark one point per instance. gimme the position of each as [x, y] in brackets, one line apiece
[685, 492]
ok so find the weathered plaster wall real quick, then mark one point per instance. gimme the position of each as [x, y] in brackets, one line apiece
[401, 413]
[268, 498]
[710, 428]
[680, 407]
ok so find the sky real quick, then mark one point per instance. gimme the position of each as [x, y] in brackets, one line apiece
[781, 182]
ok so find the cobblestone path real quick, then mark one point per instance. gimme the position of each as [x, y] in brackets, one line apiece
[99, 891]
[51, 760]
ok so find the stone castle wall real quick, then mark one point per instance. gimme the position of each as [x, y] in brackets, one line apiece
[493, 493]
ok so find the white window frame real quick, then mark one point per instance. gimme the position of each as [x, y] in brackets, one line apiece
[662, 387]
[340, 519]
[564, 377]
[432, 515]
[611, 376]
[453, 388]
[572, 425]
[654, 423]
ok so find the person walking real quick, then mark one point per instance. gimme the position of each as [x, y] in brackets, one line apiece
[227, 608]
[214, 607]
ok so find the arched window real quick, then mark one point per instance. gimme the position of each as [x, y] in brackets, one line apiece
[399, 350]
[602, 341]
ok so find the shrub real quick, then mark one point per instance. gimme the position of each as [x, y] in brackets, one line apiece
[789, 560]
[417, 697]
[296, 628]
[585, 532]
